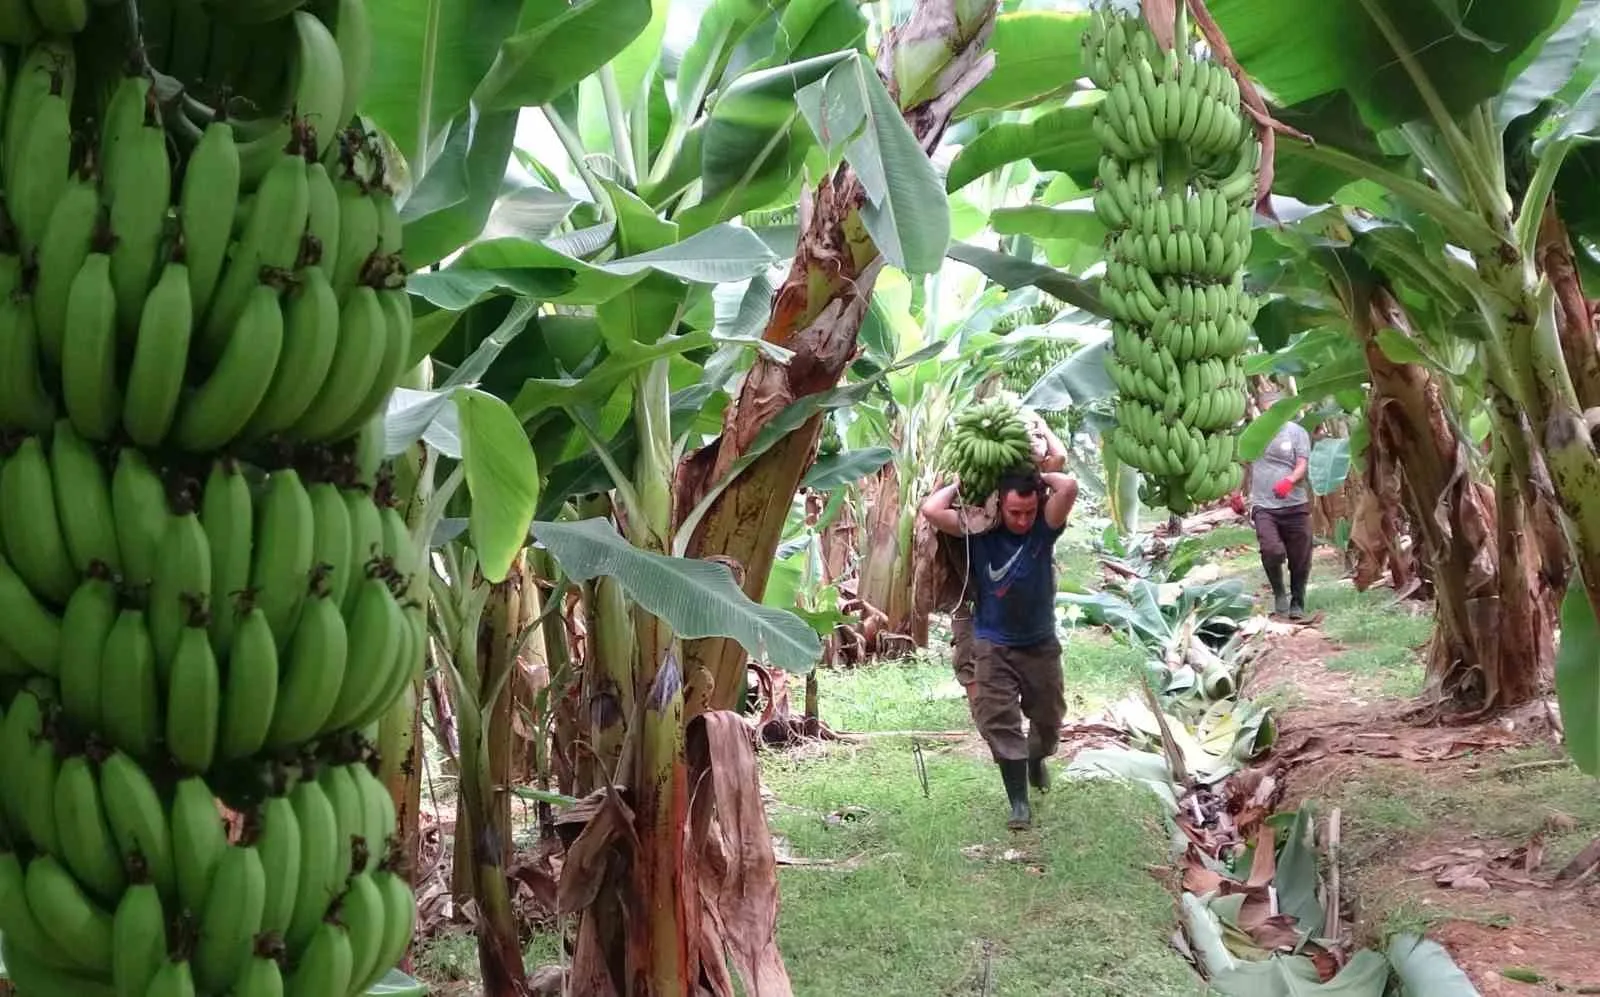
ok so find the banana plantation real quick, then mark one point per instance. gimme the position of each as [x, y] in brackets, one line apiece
[695, 498]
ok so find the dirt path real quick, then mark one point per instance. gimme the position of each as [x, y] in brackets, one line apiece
[1457, 830]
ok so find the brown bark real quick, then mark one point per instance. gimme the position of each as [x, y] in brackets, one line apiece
[1378, 527]
[1573, 317]
[1470, 663]
[816, 314]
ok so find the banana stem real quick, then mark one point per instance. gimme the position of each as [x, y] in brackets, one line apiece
[575, 153]
[1471, 167]
[1534, 200]
[617, 119]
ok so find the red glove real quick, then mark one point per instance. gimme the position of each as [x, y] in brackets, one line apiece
[1236, 502]
[1283, 488]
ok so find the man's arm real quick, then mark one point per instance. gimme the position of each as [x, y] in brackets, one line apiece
[939, 510]
[1055, 455]
[1063, 494]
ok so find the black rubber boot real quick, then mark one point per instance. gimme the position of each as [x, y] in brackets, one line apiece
[1014, 772]
[1039, 774]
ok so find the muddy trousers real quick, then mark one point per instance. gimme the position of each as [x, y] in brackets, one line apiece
[961, 660]
[1015, 682]
[1285, 535]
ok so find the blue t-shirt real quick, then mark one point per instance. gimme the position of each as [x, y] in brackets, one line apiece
[1016, 583]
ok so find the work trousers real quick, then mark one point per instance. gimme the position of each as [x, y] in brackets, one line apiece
[1285, 535]
[1010, 683]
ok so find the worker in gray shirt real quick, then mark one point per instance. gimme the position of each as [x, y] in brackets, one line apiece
[1280, 511]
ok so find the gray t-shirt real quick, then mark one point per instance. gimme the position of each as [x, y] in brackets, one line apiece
[1291, 444]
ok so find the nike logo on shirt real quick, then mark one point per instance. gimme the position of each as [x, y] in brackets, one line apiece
[1005, 569]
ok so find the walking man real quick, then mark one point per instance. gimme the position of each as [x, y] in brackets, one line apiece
[1280, 511]
[1014, 650]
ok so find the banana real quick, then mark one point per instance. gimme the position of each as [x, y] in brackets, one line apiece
[69, 918]
[367, 541]
[130, 687]
[227, 514]
[362, 911]
[175, 978]
[83, 502]
[321, 248]
[358, 227]
[278, 840]
[310, 336]
[139, 506]
[379, 814]
[352, 31]
[160, 356]
[19, 25]
[193, 698]
[250, 693]
[48, 64]
[42, 167]
[400, 911]
[125, 114]
[402, 553]
[260, 977]
[358, 362]
[270, 242]
[331, 543]
[65, 244]
[138, 940]
[20, 931]
[24, 728]
[319, 846]
[181, 584]
[138, 180]
[281, 568]
[89, 385]
[231, 919]
[209, 196]
[324, 968]
[138, 823]
[25, 402]
[220, 408]
[349, 818]
[314, 667]
[31, 527]
[85, 626]
[198, 842]
[395, 306]
[316, 89]
[87, 848]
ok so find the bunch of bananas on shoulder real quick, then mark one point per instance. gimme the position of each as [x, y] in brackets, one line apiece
[1177, 187]
[210, 595]
[985, 442]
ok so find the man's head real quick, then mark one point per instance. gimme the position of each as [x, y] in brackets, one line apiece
[1019, 500]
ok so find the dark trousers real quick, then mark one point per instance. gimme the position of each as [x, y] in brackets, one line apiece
[1016, 682]
[1285, 535]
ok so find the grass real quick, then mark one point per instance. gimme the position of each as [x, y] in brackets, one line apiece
[1075, 914]
[1381, 638]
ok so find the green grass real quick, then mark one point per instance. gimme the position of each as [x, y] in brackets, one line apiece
[912, 914]
[1383, 639]
[1079, 915]
[1226, 539]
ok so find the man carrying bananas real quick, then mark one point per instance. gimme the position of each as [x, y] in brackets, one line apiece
[1011, 664]
[1280, 511]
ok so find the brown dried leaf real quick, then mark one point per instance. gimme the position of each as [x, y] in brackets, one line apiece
[1277, 932]
[588, 860]
[737, 871]
[1264, 861]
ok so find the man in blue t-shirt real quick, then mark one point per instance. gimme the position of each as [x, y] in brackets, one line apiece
[1015, 650]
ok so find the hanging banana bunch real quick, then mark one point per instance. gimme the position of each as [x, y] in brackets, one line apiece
[207, 590]
[985, 442]
[1176, 187]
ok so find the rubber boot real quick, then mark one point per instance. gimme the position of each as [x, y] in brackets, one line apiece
[1014, 772]
[1039, 774]
[1280, 598]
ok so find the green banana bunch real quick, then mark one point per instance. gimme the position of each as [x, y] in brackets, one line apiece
[1177, 188]
[208, 596]
[985, 441]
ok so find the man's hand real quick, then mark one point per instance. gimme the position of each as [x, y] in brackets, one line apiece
[1283, 487]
